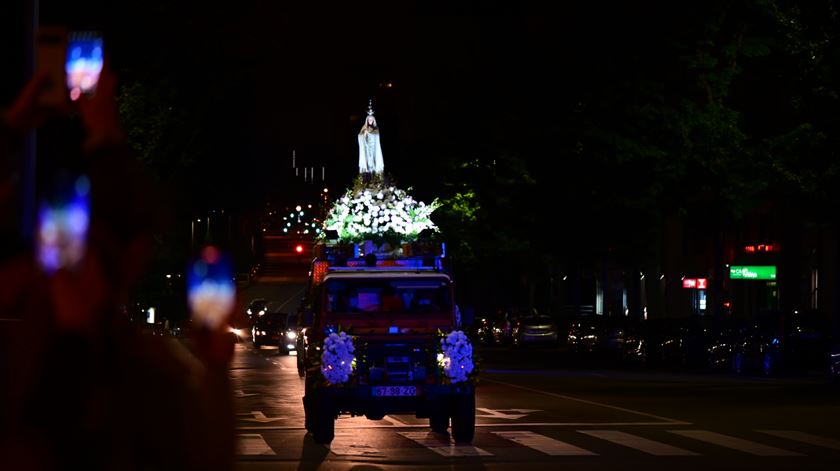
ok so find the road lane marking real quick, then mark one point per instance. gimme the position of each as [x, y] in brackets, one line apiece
[498, 414]
[444, 447]
[260, 417]
[547, 445]
[639, 443]
[241, 393]
[346, 443]
[804, 438]
[506, 424]
[252, 444]
[734, 443]
[394, 421]
[584, 401]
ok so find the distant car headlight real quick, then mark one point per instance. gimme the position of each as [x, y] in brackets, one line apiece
[261, 313]
[262, 332]
[291, 334]
[249, 312]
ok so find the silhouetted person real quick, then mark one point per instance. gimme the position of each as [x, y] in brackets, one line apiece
[83, 389]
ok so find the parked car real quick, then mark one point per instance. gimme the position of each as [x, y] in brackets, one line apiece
[484, 332]
[535, 329]
[496, 329]
[776, 344]
[582, 335]
[690, 343]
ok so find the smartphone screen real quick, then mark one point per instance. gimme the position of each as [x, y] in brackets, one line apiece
[211, 291]
[84, 63]
[62, 231]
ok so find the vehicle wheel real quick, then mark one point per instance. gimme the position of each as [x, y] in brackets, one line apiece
[308, 410]
[439, 422]
[738, 362]
[307, 413]
[323, 419]
[301, 364]
[463, 417]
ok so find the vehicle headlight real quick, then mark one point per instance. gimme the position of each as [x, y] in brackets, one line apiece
[261, 313]
[249, 312]
[262, 332]
[291, 334]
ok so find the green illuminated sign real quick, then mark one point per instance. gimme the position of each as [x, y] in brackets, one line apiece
[740, 272]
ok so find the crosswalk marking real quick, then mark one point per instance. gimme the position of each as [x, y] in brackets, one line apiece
[734, 443]
[547, 445]
[252, 444]
[444, 447]
[346, 443]
[804, 438]
[642, 444]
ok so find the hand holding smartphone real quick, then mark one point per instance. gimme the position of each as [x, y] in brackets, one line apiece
[63, 220]
[72, 63]
[211, 290]
[84, 63]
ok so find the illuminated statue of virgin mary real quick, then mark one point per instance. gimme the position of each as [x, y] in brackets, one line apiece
[370, 151]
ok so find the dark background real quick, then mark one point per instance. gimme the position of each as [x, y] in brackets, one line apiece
[646, 136]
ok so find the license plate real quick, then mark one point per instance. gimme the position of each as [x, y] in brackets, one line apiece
[394, 390]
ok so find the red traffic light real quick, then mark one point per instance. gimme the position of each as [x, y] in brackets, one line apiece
[299, 248]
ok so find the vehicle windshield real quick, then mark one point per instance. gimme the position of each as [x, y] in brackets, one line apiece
[273, 320]
[387, 296]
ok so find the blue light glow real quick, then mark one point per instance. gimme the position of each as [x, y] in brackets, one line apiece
[84, 63]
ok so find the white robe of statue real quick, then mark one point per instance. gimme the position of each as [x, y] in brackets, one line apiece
[370, 150]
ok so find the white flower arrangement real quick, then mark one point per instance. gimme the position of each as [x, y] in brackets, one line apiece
[456, 357]
[337, 359]
[368, 213]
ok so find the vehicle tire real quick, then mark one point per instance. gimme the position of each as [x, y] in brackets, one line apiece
[323, 419]
[300, 366]
[308, 413]
[439, 421]
[463, 417]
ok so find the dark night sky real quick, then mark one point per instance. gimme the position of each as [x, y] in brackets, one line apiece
[285, 76]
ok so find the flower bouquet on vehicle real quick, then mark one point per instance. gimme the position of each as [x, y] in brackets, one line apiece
[381, 213]
[455, 358]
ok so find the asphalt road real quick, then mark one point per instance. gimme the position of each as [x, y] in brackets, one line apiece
[535, 411]
[554, 418]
